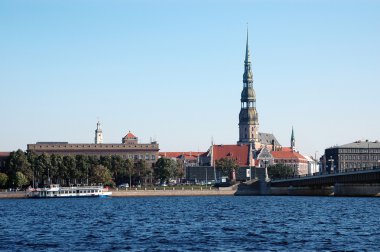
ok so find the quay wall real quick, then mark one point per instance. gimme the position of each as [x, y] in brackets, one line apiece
[177, 192]
[12, 195]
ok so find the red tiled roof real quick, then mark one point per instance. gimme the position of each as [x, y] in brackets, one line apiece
[286, 149]
[5, 154]
[238, 152]
[287, 155]
[130, 135]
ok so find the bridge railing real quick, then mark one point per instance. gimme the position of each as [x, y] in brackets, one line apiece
[316, 174]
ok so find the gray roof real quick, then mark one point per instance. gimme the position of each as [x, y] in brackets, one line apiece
[267, 138]
[359, 145]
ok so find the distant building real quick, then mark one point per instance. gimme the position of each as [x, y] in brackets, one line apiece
[312, 165]
[189, 158]
[356, 155]
[128, 149]
[291, 158]
[3, 159]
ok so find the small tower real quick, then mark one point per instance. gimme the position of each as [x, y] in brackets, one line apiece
[248, 116]
[293, 141]
[98, 134]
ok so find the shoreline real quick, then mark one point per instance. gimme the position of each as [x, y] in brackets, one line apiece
[142, 193]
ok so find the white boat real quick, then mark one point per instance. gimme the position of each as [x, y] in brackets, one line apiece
[55, 191]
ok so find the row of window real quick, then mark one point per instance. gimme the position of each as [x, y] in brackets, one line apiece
[360, 157]
[357, 150]
[95, 146]
[136, 156]
[357, 165]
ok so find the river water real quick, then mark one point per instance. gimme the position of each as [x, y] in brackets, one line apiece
[261, 223]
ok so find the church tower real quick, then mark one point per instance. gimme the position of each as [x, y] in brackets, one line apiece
[98, 134]
[248, 117]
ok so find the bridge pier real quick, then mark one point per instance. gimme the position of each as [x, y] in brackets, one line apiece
[302, 191]
[341, 189]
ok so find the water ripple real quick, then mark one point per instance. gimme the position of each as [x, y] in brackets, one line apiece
[191, 224]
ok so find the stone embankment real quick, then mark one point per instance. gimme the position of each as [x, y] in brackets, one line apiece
[13, 195]
[174, 192]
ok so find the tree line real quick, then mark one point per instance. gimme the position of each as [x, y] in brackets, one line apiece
[25, 169]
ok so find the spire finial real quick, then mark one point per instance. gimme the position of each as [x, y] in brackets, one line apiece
[247, 49]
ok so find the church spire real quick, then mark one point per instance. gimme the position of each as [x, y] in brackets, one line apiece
[292, 140]
[247, 76]
[248, 117]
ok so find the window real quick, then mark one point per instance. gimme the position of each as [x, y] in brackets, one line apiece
[153, 157]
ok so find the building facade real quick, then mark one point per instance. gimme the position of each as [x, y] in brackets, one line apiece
[128, 149]
[356, 155]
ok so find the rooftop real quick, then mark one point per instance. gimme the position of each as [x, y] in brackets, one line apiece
[359, 144]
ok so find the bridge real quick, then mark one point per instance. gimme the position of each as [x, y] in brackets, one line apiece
[369, 175]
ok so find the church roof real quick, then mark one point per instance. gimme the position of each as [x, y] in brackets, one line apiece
[238, 152]
[267, 139]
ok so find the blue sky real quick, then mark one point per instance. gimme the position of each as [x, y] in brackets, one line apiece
[172, 70]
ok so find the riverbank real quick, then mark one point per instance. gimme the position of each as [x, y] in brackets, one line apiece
[243, 189]
[147, 193]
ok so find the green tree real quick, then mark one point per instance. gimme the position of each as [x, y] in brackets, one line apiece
[3, 180]
[130, 169]
[117, 168]
[180, 169]
[227, 166]
[69, 169]
[21, 180]
[55, 166]
[161, 169]
[32, 159]
[82, 168]
[101, 174]
[18, 162]
[279, 171]
[106, 161]
[43, 167]
[175, 169]
[143, 170]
